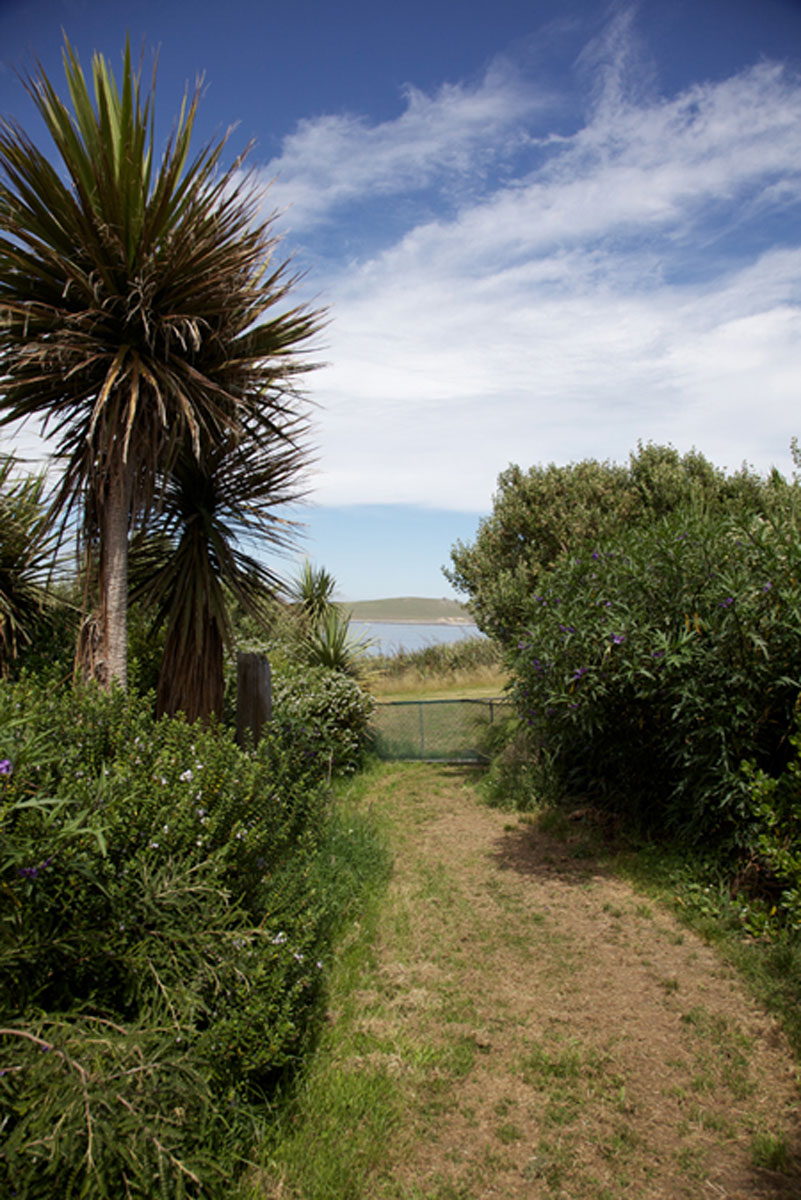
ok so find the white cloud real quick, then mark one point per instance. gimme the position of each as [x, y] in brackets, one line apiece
[434, 407]
[337, 159]
[620, 288]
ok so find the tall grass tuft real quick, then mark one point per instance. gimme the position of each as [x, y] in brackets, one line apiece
[469, 654]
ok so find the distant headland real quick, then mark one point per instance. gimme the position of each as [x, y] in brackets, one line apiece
[411, 610]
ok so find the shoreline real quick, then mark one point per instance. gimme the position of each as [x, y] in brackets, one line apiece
[455, 621]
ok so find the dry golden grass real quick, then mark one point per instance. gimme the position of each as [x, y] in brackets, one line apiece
[416, 685]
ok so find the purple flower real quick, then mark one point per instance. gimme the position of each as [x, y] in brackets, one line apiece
[580, 671]
[595, 555]
[32, 872]
[767, 586]
[5, 766]
[618, 639]
[567, 629]
[728, 601]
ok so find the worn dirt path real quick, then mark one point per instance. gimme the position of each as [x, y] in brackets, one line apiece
[554, 1034]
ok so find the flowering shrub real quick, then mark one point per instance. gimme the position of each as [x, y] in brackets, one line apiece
[164, 928]
[321, 716]
[651, 667]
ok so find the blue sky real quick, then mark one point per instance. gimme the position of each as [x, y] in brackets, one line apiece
[545, 231]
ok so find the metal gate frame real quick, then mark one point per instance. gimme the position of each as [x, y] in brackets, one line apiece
[472, 754]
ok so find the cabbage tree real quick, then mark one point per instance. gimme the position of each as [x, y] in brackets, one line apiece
[26, 550]
[195, 562]
[143, 317]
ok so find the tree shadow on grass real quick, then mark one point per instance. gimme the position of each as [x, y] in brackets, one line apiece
[578, 854]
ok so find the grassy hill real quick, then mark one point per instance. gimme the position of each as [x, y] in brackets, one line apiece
[410, 608]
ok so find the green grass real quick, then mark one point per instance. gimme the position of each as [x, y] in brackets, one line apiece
[698, 895]
[343, 1121]
[305, 1154]
[769, 1151]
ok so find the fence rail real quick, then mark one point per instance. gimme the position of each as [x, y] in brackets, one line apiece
[435, 730]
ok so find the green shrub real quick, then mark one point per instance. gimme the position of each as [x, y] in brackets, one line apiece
[777, 840]
[321, 717]
[650, 668]
[163, 926]
[547, 513]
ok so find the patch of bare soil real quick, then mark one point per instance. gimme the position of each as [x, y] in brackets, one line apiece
[557, 1035]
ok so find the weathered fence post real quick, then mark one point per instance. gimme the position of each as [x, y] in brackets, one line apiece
[254, 700]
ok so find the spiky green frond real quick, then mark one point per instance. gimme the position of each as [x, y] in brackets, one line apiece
[142, 304]
[313, 592]
[193, 562]
[26, 554]
[144, 317]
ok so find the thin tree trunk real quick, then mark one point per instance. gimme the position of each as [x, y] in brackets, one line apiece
[114, 581]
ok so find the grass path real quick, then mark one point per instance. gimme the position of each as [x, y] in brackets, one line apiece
[514, 1021]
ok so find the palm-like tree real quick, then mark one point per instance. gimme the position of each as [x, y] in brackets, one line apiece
[192, 565]
[142, 316]
[313, 593]
[26, 549]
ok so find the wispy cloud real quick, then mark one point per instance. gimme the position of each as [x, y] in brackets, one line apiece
[339, 159]
[634, 276]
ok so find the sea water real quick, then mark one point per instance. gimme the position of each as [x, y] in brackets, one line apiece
[388, 637]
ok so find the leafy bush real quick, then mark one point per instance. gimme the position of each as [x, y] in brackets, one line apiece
[651, 667]
[163, 925]
[321, 716]
[546, 513]
[777, 842]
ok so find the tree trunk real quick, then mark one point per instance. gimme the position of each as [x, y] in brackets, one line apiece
[191, 677]
[114, 581]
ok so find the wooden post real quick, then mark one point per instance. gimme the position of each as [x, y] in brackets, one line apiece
[254, 700]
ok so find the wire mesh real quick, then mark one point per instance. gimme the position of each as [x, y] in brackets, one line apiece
[435, 730]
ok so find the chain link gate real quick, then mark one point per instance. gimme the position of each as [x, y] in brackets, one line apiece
[435, 730]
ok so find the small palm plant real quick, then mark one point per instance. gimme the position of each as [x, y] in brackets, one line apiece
[330, 643]
[313, 592]
[26, 557]
[322, 627]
